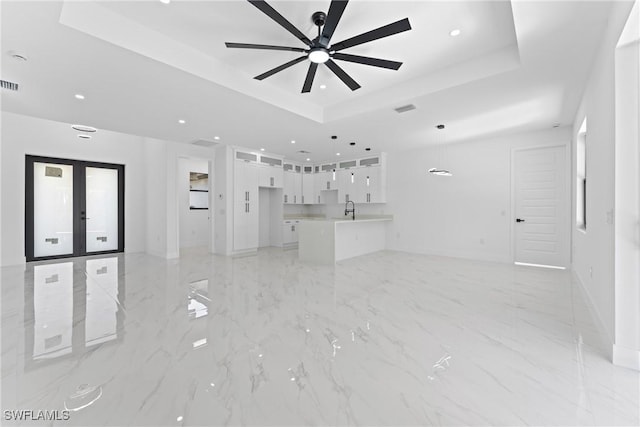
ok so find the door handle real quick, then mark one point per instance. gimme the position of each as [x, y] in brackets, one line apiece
[519, 220]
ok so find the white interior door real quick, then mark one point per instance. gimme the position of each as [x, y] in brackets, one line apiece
[541, 203]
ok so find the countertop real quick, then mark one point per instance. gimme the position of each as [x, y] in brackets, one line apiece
[347, 219]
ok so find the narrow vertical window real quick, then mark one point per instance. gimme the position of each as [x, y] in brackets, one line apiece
[581, 177]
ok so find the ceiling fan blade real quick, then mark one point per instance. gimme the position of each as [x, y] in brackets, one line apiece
[383, 63]
[273, 14]
[280, 68]
[310, 75]
[378, 33]
[263, 46]
[342, 75]
[333, 17]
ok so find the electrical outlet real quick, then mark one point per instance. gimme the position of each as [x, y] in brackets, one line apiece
[610, 217]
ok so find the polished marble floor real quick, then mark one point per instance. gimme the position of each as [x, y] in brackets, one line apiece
[384, 339]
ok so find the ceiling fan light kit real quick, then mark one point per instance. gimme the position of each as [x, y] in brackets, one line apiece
[319, 50]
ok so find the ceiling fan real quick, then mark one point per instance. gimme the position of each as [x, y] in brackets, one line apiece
[318, 50]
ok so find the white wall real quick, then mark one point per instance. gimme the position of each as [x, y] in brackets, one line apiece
[223, 204]
[264, 220]
[467, 215]
[155, 153]
[194, 224]
[22, 135]
[151, 200]
[593, 249]
[626, 350]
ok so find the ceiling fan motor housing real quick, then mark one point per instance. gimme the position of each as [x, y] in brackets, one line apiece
[318, 18]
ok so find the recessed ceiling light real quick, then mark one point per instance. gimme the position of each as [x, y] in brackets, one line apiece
[454, 33]
[181, 121]
[18, 56]
[308, 159]
[323, 86]
[440, 172]
[216, 138]
[337, 154]
[79, 96]
[83, 128]
[262, 149]
[165, 1]
[84, 136]
[293, 141]
[440, 127]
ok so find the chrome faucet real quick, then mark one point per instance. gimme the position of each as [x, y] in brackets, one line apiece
[352, 211]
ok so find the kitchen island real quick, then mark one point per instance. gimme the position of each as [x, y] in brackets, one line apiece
[328, 240]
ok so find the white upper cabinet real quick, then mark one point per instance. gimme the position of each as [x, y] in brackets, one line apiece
[373, 179]
[361, 181]
[297, 185]
[271, 172]
[308, 186]
[292, 189]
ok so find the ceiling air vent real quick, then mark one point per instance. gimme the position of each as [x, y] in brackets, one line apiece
[8, 85]
[303, 152]
[204, 143]
[405, 108]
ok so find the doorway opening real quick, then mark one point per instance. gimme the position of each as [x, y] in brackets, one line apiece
[195, 206]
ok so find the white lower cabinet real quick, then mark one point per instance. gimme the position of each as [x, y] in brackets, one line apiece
[290, 233]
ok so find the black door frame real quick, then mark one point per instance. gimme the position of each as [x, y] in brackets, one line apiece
[79, 206]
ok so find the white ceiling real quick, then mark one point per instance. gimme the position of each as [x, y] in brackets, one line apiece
[516, 66]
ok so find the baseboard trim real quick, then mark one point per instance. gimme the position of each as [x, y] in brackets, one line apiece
[11, 262]
[626, 357]
[453, 254]
[608, 339]
[245, 253]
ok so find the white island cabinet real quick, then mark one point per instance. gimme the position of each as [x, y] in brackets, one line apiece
[326, 241]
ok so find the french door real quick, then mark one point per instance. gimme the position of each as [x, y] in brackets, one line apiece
[72, 208]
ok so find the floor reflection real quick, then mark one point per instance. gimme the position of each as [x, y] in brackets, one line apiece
[71, 307]
[198, 299]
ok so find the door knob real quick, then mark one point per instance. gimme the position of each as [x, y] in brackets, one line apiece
[519, 220]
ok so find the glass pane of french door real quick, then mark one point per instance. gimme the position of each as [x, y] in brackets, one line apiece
[53, 209]
[101, 194]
